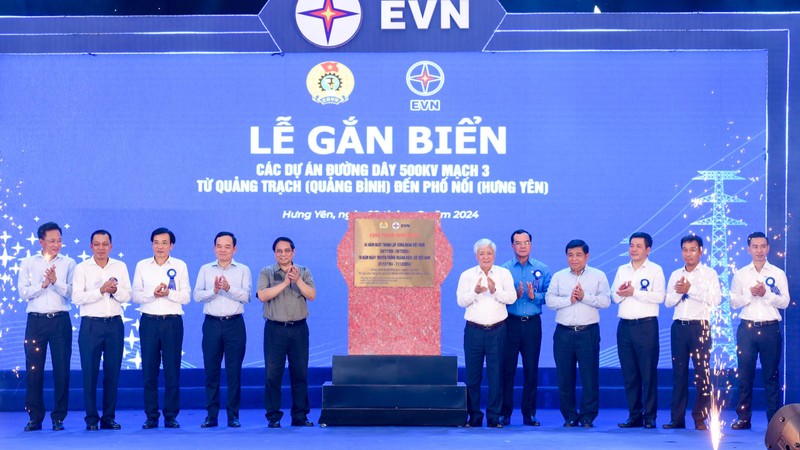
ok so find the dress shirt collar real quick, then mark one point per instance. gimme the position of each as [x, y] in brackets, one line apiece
[577, 274]
[168, 262]
[41, 256]
[642, 267]
[217, 264]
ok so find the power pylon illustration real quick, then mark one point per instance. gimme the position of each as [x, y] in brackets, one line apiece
[723, 342]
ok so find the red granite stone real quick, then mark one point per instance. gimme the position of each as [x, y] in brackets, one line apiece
[394, 321]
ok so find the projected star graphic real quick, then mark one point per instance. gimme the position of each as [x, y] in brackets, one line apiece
[328, 14]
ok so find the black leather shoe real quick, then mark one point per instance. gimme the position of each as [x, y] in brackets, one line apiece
[302, 423]
[740, 425]
[531, 421]
[571, 423]
[587, 424]
[673, 426]
[494, 424]
[505, 420]
[700, 425]
[209, 423]
[171, 423]
[58, 425]
[234, 423]
[150, 423]
[274, 424]
[92, 427]
[110, 425]
[631, 423]
[33, 426]
[649, 424]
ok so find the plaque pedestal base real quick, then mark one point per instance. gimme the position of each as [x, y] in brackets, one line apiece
[394, 390]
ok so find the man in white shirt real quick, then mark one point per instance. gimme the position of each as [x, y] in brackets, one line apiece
[761, 290]
[638, 289]
[99, 287]
[223, 287]
[485, 290]
[693, 290]
[576, 294]
[161, 286]
[45, 282]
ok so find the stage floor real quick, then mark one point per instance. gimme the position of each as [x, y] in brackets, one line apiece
[255, 434]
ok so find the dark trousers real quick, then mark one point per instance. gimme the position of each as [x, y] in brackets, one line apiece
[637, 346]
[41, 331]
[690, 339]
[226, 337]
[482, 343]
[581, 348]
[282, 343]
[753, 342]
[100, 337]
[161, 340]
[524, 337]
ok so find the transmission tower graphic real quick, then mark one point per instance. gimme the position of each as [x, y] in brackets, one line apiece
[723, 342]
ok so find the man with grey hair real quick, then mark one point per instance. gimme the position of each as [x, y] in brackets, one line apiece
[485, 290]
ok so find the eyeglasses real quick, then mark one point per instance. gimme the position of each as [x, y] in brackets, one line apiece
[522, 243]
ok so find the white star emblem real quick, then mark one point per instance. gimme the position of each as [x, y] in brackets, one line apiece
[132, 339]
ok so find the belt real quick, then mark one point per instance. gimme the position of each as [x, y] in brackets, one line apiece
[479, 326]
[223, 318]
[161, 317]
[759, 323]
[49, 315]
[524, 318]
[691, 322]
[103, 319]
[635, 321]
[287, 324]
[577, 327]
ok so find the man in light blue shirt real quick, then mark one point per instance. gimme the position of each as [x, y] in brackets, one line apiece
[45, 282]
[576, 294]
[223, 286]
[524, 328]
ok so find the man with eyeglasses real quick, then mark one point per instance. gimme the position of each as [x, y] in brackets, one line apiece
[285, 289]
[45, 282]
[524, 328]
[161, 286]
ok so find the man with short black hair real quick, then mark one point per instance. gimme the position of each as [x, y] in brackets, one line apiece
[161, 286]
[224, 288]
[524, 328]
[693, 290]
[638, 288]
[576, 294]
[285, 289]
[45, 282]
[100, 286]
[761, 290]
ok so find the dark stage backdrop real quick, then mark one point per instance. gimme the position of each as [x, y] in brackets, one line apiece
[592, 142]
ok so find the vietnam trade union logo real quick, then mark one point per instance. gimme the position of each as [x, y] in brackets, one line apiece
[425, 78]
[328, 23]
[330, 82]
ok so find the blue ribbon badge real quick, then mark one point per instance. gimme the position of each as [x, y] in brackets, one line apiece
[684, 297]
[536, 275]
[115, 280]
[644, 284]
[771, 283]
[171, 274]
